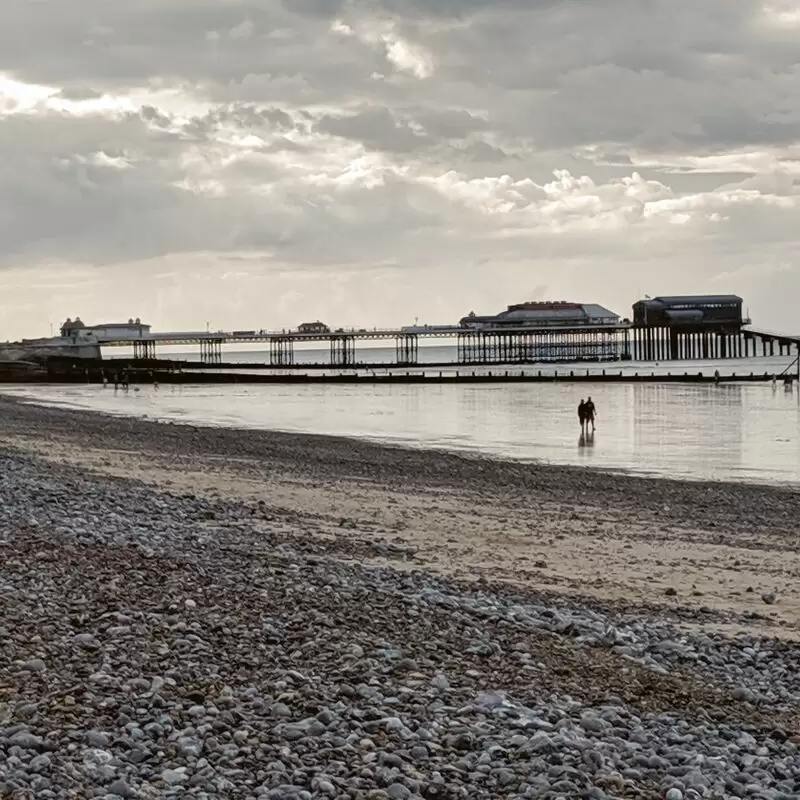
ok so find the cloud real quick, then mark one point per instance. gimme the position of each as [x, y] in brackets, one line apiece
[374, 161]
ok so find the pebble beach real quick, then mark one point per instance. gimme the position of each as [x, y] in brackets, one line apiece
[192, 612]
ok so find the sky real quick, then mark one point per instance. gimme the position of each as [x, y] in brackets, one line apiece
[256, 163]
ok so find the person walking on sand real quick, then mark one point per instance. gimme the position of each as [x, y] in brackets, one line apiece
[582, 414]
[590, 412]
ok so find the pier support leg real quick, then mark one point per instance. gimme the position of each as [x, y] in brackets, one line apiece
[343, 351]
[469, 347]
[281, 352]
[407, 349]
[211, 351]
[144, 350]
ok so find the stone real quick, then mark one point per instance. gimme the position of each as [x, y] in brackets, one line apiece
[440, 682]
[26, 710]
[122, 789]
[174, 776]
[26, 740]
[98, 739]
[87, 640]
[39, 763]
[396, 791]
[593, 724]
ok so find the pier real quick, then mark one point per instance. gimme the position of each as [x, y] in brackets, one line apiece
[490, 347]
[522, 345]
[661, 331]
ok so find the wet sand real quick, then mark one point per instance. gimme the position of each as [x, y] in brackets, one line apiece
[702, 553]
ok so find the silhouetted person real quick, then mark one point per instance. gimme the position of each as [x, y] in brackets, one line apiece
[582, 414]
[590, 412]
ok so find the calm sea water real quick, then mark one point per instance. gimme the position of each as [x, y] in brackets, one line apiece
[726, 432]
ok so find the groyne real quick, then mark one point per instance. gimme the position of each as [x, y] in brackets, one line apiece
[123, 372]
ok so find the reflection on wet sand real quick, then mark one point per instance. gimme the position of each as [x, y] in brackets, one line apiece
[723, 432]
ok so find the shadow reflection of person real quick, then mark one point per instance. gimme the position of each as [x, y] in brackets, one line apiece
[586, 440]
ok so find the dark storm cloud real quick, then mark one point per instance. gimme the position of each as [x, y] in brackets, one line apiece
[655, 75]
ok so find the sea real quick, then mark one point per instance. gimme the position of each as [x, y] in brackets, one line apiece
[728, 432]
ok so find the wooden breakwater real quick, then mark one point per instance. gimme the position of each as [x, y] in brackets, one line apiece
[460, 378]
[126, 373]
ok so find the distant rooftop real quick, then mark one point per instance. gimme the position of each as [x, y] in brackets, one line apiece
[694, 298]
[542, 312]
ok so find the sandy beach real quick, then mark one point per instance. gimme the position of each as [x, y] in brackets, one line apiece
[578, 532]
[342, 619]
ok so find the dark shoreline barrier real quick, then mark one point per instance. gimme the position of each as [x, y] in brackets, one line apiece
[138, 372]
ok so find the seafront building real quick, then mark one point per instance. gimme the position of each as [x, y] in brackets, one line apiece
[683, 311]
[75, 340]
[543, 314]
[78, 331]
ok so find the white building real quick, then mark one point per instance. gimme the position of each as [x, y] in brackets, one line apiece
[131, 330]
[77, 340]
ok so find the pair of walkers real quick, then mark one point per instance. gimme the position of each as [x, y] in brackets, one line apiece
[586, 413]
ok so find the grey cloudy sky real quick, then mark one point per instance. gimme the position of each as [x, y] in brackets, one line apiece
[256, 163]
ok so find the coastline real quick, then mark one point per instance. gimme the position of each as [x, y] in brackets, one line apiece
[578, 531]
[218, 613]
[731, 433]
